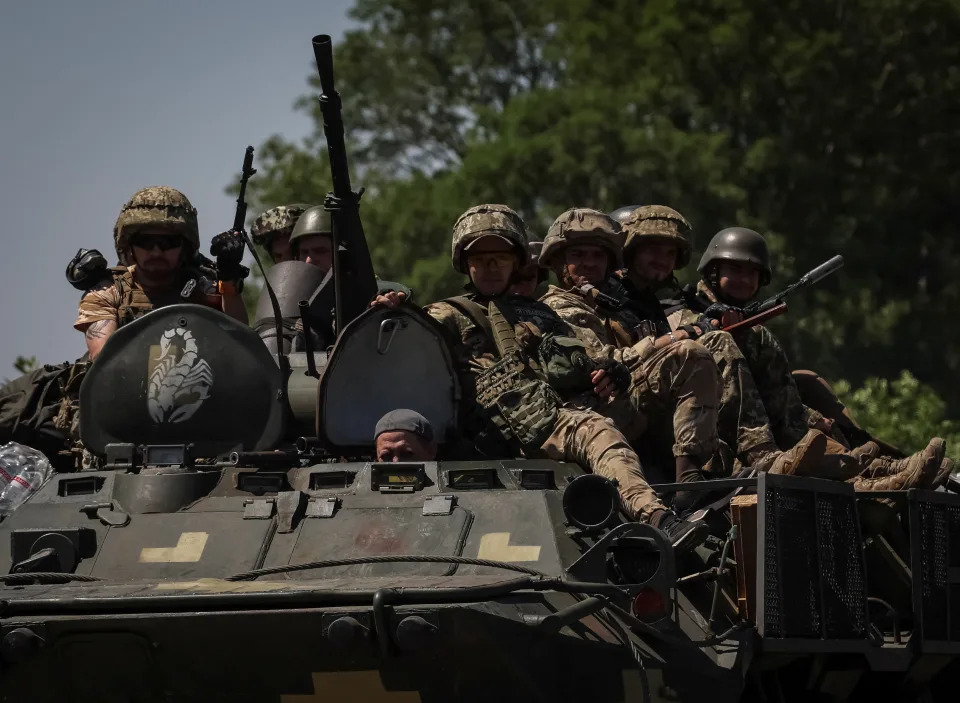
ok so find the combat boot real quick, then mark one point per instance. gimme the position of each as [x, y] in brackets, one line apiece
[943, 475]
[801, 460]
[916, 471]
[866, 453]
[684, 535]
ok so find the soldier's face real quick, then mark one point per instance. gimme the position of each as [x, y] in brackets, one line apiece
[525, 281]
[316, 250]
[587, 262]
[156, 252]
[654, 261]
[401, 445]
[739, 281]
[490, 263]
[280, 249]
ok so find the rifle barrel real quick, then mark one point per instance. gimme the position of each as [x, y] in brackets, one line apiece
[323, 53]
[823, 270]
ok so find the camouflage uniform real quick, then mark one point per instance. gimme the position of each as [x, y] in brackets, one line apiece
[765, 393]
[530, 412]
[119, 297]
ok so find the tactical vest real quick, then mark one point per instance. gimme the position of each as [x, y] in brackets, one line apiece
[518, 394]
[134, 302]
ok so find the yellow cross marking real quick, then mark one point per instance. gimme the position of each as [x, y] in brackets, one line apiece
[496, 546]
[350, 687]
[189, 548]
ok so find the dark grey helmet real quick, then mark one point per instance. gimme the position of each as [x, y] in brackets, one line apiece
[738, 244]
[621, 213]
[315, 220]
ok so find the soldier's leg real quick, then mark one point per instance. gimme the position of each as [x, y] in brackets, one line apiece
[789, 418]
[594, 442]
[681, 380]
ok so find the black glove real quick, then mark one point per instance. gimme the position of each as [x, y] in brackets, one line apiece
[228, 248]
[699, 328]
[86, 269]
[717, 310]
[618, 374]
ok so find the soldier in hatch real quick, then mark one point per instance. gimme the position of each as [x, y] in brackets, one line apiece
[735, 265]
[312, 239]
[519, 364]
[673, 377]
[404, 435]
[156, 237]
[272, 230]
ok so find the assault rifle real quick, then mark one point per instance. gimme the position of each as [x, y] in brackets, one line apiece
[354, 283]
[758, 313]
[240, 216]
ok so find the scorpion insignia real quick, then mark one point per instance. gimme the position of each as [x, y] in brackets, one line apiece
[180, 380]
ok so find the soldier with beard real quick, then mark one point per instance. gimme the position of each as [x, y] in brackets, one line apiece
[522, 371]
[735, 265]
[673, 378]
[156, 238]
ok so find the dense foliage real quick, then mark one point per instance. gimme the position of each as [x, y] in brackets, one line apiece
[830, 126]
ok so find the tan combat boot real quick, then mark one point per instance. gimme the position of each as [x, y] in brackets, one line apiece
[801, 460]
[943, 475]
[916, 471]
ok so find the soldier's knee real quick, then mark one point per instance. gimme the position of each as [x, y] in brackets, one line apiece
[694, 351]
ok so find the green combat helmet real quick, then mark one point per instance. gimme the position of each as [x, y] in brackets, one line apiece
[658, 222]
[738, 244]
[276, 222]
[156, 206]
[486, 220]
[314, 220]
[583, 226]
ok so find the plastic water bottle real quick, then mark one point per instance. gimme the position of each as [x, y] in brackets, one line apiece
[22, 471]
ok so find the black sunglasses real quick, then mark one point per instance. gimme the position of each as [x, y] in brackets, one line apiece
[165, 242]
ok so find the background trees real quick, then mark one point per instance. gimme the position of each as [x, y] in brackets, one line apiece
[829, 126]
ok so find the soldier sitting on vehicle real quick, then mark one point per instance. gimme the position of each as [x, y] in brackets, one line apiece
[272, 230]
[405, 435]
[735, 265]
[155, 236]
[521, 368]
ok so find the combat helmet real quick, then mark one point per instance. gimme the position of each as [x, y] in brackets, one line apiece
[738, 244]
[657, 222]
[487, 220]
[276, 222]
[156, 206]
[622, 213]
[314, 220]
[583, 226]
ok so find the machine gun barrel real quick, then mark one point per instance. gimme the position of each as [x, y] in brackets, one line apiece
[354, 283]
[809, 278]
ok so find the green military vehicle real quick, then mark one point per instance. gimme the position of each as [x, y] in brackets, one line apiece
[237, 542]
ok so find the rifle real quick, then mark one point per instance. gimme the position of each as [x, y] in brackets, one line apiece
[240, 216]
[757, 313]
[354, 283]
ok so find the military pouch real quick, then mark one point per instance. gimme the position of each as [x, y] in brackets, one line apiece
[522, 407]
[565, 364]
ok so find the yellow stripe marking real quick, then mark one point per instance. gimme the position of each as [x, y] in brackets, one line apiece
[350, 687]
[189, 548]
[496, 546]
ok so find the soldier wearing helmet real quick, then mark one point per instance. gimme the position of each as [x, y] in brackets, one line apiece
[675, 385]
[764, 407]
[529, 277]
[312, 238]
[156, 238]
[525, 376]
[272, 229]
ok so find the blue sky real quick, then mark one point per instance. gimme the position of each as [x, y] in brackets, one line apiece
[104, 97]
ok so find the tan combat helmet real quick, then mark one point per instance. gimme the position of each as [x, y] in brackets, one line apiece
[583, 226]
[658, 222]
[487, 220]
[156, 206]
[276, 222]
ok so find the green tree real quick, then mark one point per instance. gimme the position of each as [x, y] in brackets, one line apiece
[24, 364]
[828, 126]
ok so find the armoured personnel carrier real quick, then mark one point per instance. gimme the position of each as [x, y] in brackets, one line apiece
[238, 543]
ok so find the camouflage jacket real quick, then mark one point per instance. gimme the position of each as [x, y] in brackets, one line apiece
[605, 337]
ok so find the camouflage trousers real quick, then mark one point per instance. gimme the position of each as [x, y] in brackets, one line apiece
[680, 381]
[594, 442]
[789, 418]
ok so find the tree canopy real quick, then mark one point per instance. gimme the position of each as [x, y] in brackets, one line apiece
[828, 126]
